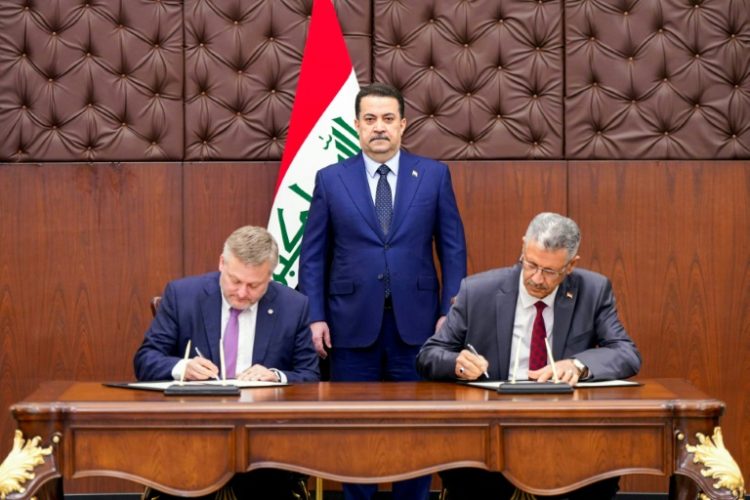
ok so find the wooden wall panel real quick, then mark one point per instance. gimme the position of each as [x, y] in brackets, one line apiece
[498, 199]
[219, 198]
[675, 239]
[82, 249]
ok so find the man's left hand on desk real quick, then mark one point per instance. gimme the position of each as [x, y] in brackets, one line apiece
[259, 372]
[567, 372]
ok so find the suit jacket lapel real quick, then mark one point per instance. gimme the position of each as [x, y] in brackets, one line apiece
[506, 300]
[410, 175]
[353, 176]
[264, 324]
[565, 302]
[211, 309]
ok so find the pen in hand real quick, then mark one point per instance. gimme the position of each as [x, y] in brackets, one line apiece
[200, 354]
[475, 353]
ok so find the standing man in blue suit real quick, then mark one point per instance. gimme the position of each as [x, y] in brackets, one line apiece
[268, 323]
[367, 257]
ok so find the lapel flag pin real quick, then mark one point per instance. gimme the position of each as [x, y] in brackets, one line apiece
[270, 311]
[569, 295]
[414, 173]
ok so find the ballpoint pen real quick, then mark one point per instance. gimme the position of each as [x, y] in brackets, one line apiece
[200, 354]
[474, 352]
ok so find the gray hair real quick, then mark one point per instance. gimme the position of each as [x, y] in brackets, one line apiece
[252, 245]
[553, 232]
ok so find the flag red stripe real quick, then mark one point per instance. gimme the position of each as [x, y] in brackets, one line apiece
[325, 67]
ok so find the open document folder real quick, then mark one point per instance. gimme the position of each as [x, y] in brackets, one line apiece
[198, 388]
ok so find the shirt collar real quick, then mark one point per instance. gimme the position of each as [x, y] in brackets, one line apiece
[529, 300]
[371, 166]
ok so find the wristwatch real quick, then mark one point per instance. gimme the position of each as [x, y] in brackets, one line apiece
[583, 370]
[277, 373]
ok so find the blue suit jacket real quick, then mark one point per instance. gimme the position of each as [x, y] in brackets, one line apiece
[586, 326]
[191, 310]
[345, 253]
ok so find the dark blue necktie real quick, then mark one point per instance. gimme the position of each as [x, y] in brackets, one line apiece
[384, 210]
[384, 199]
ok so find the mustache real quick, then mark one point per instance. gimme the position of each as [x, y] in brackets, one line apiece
[542, 288]
[378, 138]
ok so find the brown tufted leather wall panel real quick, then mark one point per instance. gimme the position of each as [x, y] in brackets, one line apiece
[482, 79]
[242, 63]
[103, 81]
[658, 79]
[90, 80]
[112, 80]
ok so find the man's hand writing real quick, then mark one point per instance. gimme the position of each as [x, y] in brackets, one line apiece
[200, 369]
[470, 366]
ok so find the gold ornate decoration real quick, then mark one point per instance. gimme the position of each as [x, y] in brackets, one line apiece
[522, 495]
[718, 463]
[18, 466]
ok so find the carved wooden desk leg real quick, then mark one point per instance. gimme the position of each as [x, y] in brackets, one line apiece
[710, 466]
[28, 467]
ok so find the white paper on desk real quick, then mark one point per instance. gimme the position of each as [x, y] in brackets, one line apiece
[607, 383]
[235, 383]
[604, 383]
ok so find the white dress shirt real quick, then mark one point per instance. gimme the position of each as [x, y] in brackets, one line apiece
[245, 343]
[371, 167]
[246, 338]
[523, 325]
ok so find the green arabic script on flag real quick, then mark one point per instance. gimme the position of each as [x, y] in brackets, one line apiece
[346, 144]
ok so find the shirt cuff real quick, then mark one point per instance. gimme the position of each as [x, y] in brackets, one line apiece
[178, 368]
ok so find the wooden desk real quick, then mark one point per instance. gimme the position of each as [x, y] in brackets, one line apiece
[370, 432]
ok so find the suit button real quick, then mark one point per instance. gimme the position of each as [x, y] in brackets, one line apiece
[380, 277]
[387, 246]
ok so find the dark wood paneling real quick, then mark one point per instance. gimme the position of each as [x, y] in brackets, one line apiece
[674, 238]
[82, 250]
[219, 198]
[498, 199]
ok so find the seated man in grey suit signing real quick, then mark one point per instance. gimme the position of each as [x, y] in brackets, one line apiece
[261, 325]
[505, 314]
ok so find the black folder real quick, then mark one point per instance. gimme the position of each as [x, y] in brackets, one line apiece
[202, 390]
[534, 387]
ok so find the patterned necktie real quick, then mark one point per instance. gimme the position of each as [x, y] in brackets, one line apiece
[538, 351]
[384, 199]
[231, 339]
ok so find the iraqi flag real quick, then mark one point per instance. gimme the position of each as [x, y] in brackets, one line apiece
[321, 132]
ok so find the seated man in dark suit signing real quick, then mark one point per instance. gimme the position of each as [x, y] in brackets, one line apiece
[505, 315]
[262, 325]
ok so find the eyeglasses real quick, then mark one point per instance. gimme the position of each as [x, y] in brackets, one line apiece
[546, 272]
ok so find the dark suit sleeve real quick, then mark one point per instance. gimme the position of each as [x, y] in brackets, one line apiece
[616, 356]
[305, 358]
[437, 357]
[450, 243]
[159, 351]
[313, 262]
